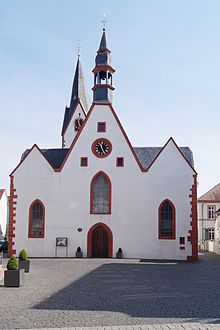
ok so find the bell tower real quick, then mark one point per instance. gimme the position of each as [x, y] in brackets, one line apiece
[103, 72]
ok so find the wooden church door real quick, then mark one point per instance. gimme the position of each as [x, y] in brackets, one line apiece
[100, 242]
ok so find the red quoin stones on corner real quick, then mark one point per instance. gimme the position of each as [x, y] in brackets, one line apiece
[193, 232]
[12, 214]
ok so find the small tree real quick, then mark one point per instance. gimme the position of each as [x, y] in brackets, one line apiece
[12, 263]
[22, 255]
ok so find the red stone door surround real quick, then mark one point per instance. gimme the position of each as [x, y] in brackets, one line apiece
[89, 239]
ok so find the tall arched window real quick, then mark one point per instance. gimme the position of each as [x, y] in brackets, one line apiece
[36, 220]
[167, 220]
[100, 202]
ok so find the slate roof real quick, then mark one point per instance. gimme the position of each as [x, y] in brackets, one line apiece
[213, 195]
[103, 43]
[79, 91]
[103, 56]
[54, 156]
[146, 155]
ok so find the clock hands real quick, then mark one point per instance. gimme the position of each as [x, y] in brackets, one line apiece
[101, 146]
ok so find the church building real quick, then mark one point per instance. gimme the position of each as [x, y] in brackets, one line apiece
[98, 193]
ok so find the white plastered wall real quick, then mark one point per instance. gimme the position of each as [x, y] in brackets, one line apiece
[136, 197]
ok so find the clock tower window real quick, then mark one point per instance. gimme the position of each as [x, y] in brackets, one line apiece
[101, 127]
[120, 161]
[84, 161]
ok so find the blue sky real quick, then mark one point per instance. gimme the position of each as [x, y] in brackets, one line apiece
[167, 59]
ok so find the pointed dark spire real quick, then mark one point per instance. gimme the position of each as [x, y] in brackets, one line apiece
[103, 43]
[79, 91]
[103, 56]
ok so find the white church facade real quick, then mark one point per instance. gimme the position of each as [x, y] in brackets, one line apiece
[100, 193]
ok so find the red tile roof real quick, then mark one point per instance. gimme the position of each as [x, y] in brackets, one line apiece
[213, 195]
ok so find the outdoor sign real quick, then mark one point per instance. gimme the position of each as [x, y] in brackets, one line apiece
[61, 241]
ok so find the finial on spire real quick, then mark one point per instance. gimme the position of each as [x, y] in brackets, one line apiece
[104, 21]
[78, 47]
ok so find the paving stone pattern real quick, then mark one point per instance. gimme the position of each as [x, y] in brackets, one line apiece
[171, 326]
[62, 293]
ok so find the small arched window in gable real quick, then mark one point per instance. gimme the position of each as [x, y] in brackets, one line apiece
[36, 220]
[167, 220]
[100, 194]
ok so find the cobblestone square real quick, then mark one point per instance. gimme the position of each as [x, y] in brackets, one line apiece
[61, 293]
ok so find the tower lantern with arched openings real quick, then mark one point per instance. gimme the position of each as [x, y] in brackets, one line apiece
[103, 72]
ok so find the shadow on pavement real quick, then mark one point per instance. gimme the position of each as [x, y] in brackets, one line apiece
[178, 290]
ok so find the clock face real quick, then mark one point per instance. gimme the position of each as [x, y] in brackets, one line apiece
[102, 148]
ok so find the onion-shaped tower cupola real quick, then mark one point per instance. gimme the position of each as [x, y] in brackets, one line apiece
[103, 72]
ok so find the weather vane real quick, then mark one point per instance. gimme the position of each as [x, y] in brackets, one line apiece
[78, 47]
[104, 21]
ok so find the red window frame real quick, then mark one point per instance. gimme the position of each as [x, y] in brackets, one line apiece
[182, 240]
[30, 219]
[91, 192]
[98, 128]
[117, 160]
[173, 218]
[81, 161]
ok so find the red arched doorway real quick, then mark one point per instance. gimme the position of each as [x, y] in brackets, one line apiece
[99, 241]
